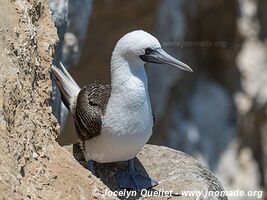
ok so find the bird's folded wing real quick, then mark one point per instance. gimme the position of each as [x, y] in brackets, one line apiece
[91, 105]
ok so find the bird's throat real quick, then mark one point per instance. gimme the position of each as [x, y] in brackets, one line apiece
[125, 74]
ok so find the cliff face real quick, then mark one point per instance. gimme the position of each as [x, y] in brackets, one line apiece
[32, 165]
[27, 41]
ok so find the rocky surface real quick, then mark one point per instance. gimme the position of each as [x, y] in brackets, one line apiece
[175, 171]
[32, 164]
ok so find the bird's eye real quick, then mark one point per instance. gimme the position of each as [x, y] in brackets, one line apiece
[148, 51]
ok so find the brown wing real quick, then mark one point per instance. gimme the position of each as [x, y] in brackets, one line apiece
[90, 107]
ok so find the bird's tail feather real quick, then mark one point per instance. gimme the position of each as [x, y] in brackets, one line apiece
[69, 89]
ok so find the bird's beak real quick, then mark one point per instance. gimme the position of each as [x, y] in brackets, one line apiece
[159, 56]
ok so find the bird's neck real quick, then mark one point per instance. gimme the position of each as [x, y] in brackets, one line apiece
[126, 73]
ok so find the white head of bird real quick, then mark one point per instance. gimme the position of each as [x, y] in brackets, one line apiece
[139, 47]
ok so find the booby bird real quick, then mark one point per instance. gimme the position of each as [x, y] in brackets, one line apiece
[113, 122]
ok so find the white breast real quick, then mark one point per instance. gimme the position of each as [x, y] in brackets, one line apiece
[126, 125]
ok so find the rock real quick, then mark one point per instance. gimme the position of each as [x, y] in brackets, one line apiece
[174, 170]
[32, 164]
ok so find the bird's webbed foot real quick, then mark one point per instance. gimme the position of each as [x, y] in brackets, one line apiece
[131, 179]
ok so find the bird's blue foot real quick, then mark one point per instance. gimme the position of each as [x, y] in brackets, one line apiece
[133, 180]
[90, 166]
